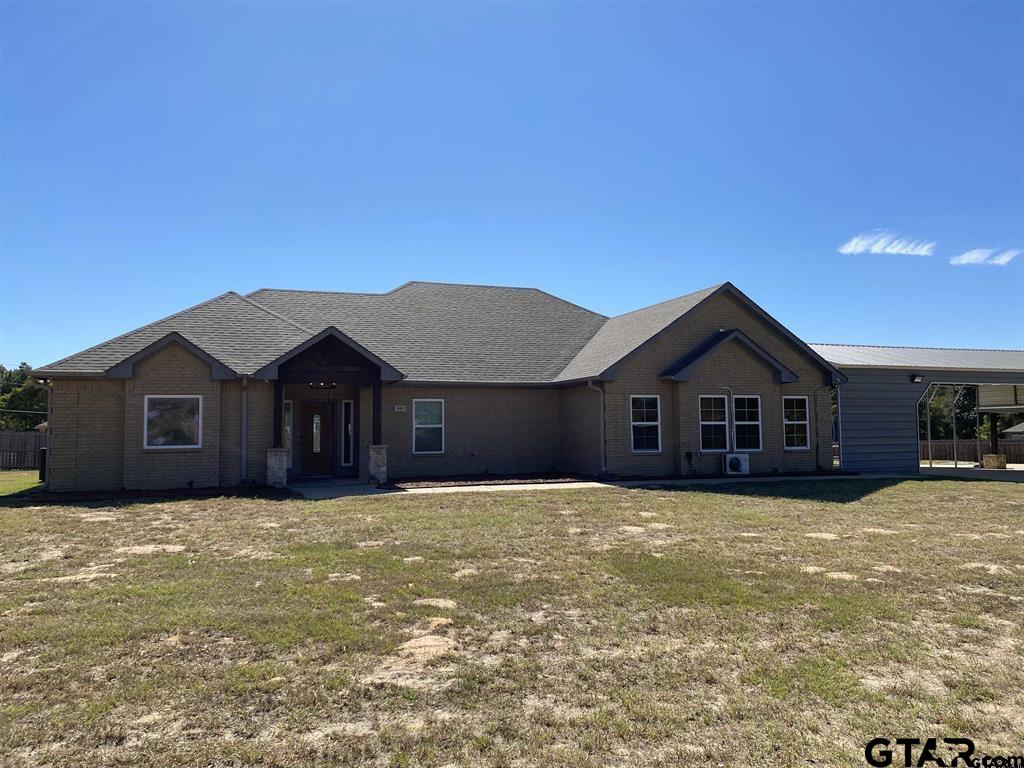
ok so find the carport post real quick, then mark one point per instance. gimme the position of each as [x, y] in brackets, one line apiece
[928, 420]
[977, 422]
[952, 408]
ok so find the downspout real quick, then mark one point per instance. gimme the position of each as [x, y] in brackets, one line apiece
[817, 438]
[839, 423]
[604, 460]
[245, 429]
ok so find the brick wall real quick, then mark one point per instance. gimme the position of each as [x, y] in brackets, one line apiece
[733, 366]
[171, 371]
[487, 429]
[230, 433]
[579, 414]
[86, 435]
[261, 428]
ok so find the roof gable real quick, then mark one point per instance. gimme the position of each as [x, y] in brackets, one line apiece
[126, 368]
[623, 336]
[231, 329]
[683, 368]
[270, 370]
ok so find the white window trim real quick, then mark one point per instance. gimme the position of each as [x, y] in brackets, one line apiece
[807, 422]
[433, 426]
[701, 423]
[759, 422]
[632, 424]
[145, 424]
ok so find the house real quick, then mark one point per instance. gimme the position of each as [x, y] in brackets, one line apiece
[1014, 433]
[434, 379]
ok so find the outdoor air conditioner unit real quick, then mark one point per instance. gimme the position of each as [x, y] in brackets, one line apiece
[736, 464]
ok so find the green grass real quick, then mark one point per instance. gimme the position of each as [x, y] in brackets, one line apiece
[586, 628]
[16, 481]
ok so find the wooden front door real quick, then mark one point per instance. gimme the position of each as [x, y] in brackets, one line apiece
[317, 437]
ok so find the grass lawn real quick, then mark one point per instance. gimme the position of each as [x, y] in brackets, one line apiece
[16, 480]
[756, 625]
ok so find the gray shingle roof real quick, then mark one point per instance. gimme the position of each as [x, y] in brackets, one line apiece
[429, 332]
[446, 332]
[856, 355]
[231, 328]
[623, 334]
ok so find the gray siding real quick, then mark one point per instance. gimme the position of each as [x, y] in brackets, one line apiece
[878, 414]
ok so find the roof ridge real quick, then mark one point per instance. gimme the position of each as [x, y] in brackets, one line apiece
[898, 346]
[269, 311]
[329, 293]
[407, 283]
[140, 328]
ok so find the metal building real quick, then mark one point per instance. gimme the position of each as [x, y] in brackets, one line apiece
[878, 417]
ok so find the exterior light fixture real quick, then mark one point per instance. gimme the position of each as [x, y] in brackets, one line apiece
[917, 378]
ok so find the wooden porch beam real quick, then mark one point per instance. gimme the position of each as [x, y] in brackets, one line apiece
[278, 412]
[377, 414]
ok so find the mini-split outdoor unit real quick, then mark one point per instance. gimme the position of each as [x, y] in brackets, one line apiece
[736, 463]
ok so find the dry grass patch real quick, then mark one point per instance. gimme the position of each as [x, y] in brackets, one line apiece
[563, 628]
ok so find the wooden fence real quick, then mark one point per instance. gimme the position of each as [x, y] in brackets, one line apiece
[967, 450]
[20, 450]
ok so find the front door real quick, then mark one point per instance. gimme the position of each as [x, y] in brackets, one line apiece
[317, 437]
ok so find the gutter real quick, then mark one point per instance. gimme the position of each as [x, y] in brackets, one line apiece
[604, 458]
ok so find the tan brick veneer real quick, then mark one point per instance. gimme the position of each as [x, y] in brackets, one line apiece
[734, 367]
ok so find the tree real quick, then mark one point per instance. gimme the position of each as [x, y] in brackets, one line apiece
[20, 392]
[942, 424]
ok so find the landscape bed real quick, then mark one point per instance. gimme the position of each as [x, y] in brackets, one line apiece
[756, 624]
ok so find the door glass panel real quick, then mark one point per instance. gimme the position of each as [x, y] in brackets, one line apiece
[346, 447]
[316, 433]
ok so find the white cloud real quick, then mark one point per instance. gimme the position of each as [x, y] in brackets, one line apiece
[883, 242]
[985, 256]
[1005, 257]
[977, 256]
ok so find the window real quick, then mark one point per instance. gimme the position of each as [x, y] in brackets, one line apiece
[428, 426]
[796, 423]
[317, 431]
[746, 419]
[173, 421]
[645, 422]
[714, 428]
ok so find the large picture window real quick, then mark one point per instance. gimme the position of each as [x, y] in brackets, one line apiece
[796, 423]
[428, 426]
[746, 411]
[173, 421]
[714, 427]
[645, 423]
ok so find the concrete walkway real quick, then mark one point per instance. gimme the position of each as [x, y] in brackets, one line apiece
[1014, 473]
[345, 489]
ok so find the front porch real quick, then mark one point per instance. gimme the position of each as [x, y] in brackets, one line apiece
[327, 418]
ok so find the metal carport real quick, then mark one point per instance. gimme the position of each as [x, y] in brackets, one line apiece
[878, 406]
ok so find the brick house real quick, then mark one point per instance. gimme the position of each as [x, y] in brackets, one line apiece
[436, 379]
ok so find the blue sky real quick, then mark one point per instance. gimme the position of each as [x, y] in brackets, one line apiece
[157, 154]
